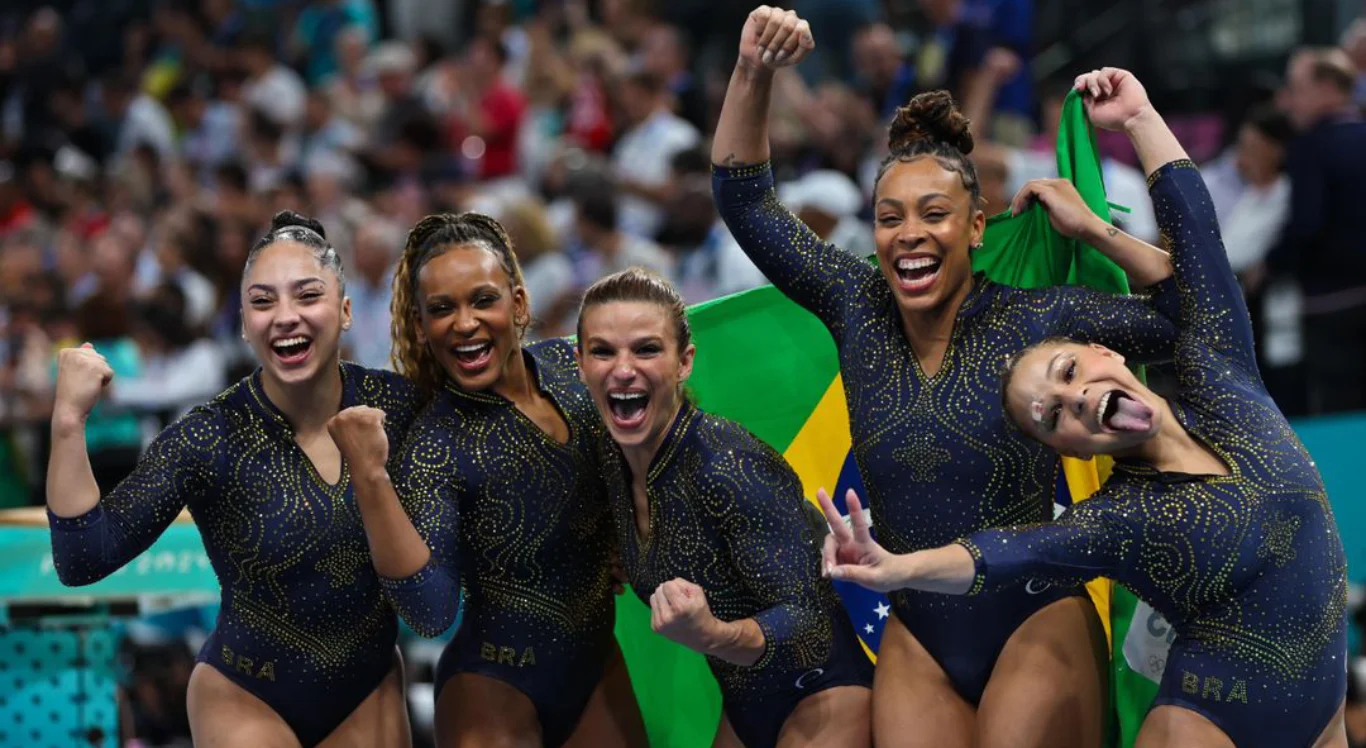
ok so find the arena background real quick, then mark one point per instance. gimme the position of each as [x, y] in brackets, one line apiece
[144, 145]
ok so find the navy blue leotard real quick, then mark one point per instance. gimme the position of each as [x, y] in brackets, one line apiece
[523, 522]
[727, 514]
[1248, 568]
[935, 453]
[304, 625]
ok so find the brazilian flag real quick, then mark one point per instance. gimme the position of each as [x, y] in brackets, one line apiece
[767, 363]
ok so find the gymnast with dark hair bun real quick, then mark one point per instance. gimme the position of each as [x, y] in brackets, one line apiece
[497, 491]
[1215, 514]
[921, 340]
[303, 652]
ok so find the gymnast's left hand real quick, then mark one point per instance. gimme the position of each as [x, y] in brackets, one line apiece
[359, 434]
[679, 612]
[851, 554]
[1067, 212]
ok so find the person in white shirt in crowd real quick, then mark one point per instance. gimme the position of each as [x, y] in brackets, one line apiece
[140, 118]
[377, 244]
[643, 156]
[828, 202]
[180, 369]
[271, 86]
[1251, 226]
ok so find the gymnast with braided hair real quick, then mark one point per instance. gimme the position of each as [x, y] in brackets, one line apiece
[1215, 514]
[498, 491]
[303, 652]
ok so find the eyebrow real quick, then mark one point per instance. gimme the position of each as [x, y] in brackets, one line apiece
[1053, 365]
[926, 198]
[296, 284]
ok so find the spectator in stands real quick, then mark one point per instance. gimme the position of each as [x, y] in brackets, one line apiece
[271, 86]
[607, 248]
[1251, 227]
[138, 118]
[642, 157]
[377, 244]
[885, 75]
[1322, 245]
[664, 54]
[179, 368]
[488, 111]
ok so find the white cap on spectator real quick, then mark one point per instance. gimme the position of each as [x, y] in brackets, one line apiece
[828, 191]
[392, 57]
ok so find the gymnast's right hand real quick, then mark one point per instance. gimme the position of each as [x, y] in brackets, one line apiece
[359, 434]
[82, 376]
[774, 38]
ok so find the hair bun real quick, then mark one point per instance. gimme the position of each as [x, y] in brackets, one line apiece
[931, 116]
[287, 218]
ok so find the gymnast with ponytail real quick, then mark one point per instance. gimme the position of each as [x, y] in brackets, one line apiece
[303, 652]
[920, 341]
[497, 491]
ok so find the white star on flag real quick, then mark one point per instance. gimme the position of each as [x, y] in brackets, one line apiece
[868, 628]
[882, 610]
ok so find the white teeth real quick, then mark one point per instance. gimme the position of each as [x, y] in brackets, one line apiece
[916, 263]
[300, 340]
[1100, 408]
[626, 395]
[471, 348]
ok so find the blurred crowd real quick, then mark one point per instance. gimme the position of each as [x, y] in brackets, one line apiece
[144, 145]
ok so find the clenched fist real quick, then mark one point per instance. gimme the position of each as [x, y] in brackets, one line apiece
[1113, 97]
[82, 376]
[359, 434]
[774, 38]
[679, 612]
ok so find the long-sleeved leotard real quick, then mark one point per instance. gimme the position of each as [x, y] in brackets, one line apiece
[727, 514]
[1248, 568]
[523, 522]
[304, 625]
[935, 453]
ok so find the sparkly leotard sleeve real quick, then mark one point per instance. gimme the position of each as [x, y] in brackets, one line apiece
[822, 278]
[1247, 566]
[182, 465]
[427, 484]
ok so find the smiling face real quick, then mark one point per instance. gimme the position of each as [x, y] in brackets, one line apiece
[1081, 400]
[469, 315]
[293, 313]
[630, 360]
[925, 223]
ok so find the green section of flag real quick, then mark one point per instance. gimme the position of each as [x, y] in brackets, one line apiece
[761, 360]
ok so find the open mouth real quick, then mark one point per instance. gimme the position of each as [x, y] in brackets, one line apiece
[627, 408]
[917, 273]
[1118, 411]
[473, 357]
[292, 351]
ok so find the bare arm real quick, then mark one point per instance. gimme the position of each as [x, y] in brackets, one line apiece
[771, 38]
